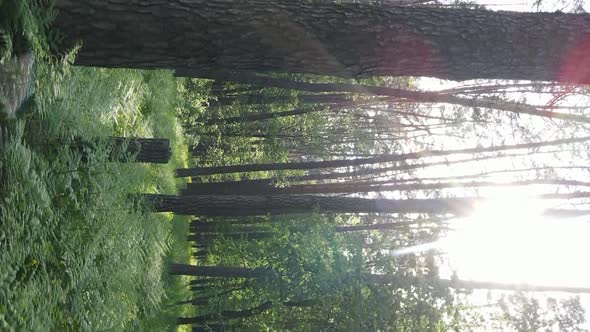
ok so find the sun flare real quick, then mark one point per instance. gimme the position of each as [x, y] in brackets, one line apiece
[507, 239]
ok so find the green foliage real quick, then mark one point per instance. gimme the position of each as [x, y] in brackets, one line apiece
[232, 143]
[523, 312]
[319, 281]
[26, 24]
[77, 253]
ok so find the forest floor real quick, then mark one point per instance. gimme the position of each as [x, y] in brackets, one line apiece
[76, 252]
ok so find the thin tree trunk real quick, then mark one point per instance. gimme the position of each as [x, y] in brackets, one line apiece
[221, 228]
[380, 226]
[385, 279]
[185, 172]
[328, 38]
[207, 298]
[409, 95]
[377, 171]
[226, 315]
[247, 236]
[263, 116]
[218, 271]
[228, 187]
[390, 185]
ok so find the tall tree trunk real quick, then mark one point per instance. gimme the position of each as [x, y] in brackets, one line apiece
[211, 297]
[328, 38]
[390, 185]
[262, 116]
[226, 314]
[409, 95]
[385, 279]
[379, 226]
[235, 205]
[248, 236]
[229, 187]
[218, 271]
[370, 186]
[185, 172]
[220, 227]
[240, 205]
[361, 173]
[263, 99]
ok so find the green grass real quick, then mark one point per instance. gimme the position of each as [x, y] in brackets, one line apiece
[77, 252]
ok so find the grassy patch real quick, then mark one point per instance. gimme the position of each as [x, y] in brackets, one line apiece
[77, 252]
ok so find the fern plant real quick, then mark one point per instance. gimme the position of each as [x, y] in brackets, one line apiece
[5, 46]
[28, 24]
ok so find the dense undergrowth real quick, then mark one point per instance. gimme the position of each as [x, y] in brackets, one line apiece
[77, 252]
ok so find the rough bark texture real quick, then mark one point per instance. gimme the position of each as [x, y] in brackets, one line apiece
[147, 150]
[128, 149]
[343, 39]
[235, 205]
[240, 205]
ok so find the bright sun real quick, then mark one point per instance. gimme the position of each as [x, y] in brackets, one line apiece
[509, 240]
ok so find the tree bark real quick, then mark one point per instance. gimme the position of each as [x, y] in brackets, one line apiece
[208, 298]
[328, 38]
[263, 99]
[226, 314]
[185, 172]
[390, 185]
[239, 205]
[360, 173]
[408, 95]
[218, 271]
[126, 149]
[248, 236]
